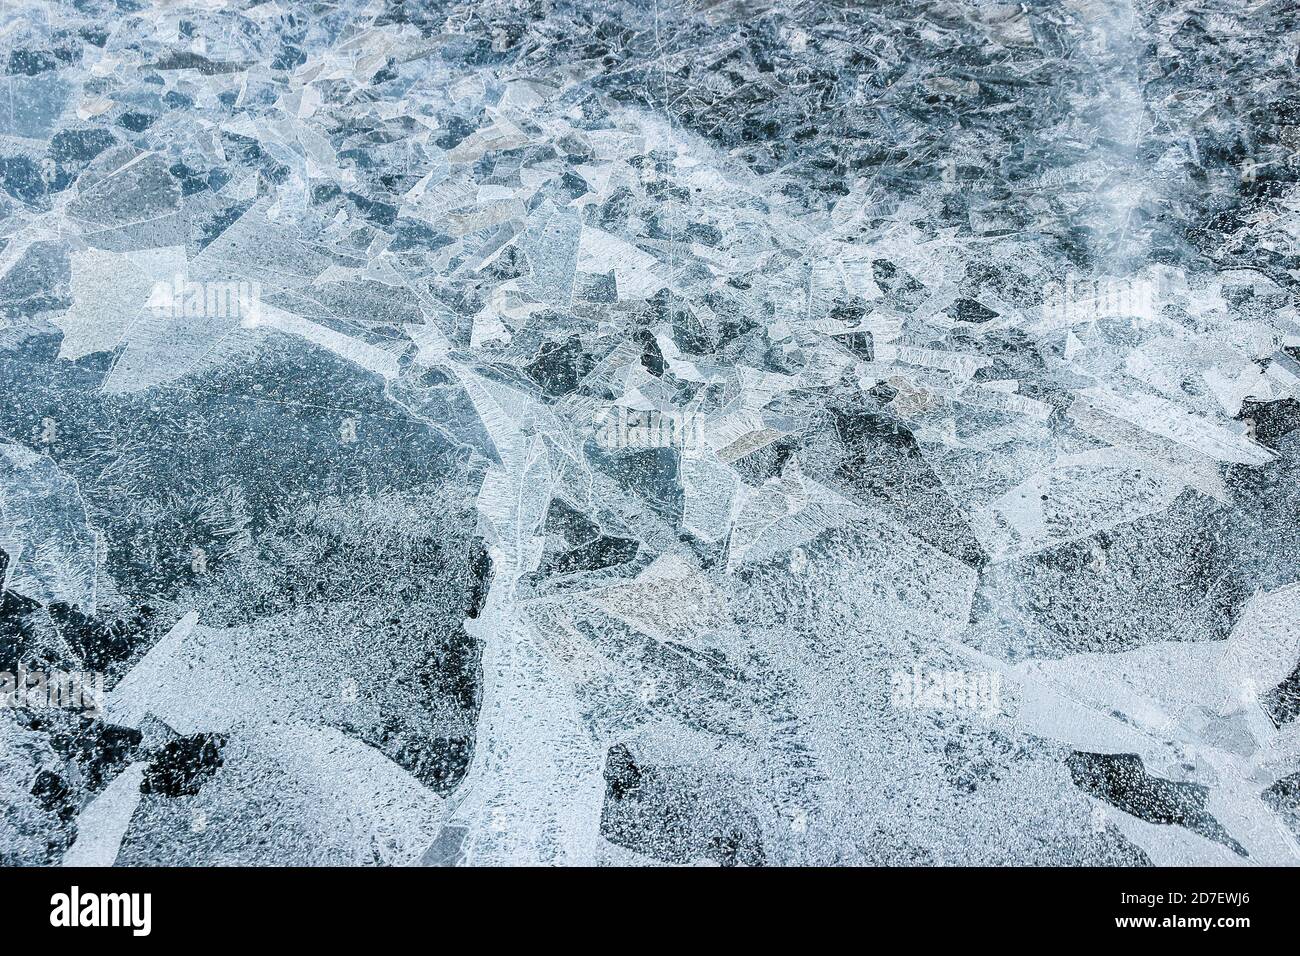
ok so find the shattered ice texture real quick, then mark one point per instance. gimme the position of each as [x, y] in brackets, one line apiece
[575, 432]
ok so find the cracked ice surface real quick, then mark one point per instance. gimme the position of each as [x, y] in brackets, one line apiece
[616, 433]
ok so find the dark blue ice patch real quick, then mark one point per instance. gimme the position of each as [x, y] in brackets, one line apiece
[181, 767]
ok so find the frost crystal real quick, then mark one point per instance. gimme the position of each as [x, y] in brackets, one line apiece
[608, 433]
